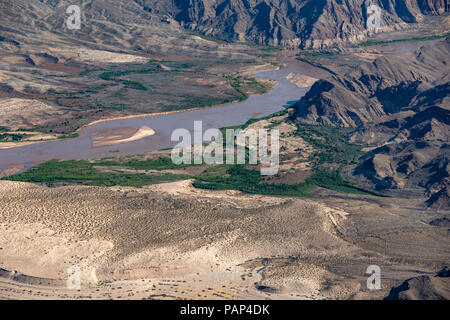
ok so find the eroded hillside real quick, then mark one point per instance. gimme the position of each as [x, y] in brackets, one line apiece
[400, 106]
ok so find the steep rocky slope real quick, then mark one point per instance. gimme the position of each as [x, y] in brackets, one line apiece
[294, 23]
[401, 106]
[389, 85]
[423, 288]
[304, 23]
[104, 23]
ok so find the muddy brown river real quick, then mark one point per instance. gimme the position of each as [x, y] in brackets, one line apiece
[284, 94]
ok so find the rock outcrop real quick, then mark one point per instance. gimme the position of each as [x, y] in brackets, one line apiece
[423, 288]
[400, 104]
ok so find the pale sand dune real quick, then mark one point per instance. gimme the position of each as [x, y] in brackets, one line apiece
[164, 242]
[232, 198]
[112, 137]
[108, 57]
[172, 242]
[38, 251]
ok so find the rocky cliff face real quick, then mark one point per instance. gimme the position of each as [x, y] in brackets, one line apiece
[293, 23]
[424, 287]
[401, 105]
[387, 86]
[303, 23]
[433, 6]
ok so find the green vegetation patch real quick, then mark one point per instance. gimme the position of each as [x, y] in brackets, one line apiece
[12, 137]
[86, 173]
[314, 54]
[87, 71]
[203, 101]
[271, 49]
[112, 75]
[161, 163]
[129, 84]
[331, 145]
[68, 136]
[415, 39]
[243, 84]
[332, 153]
[237, 177]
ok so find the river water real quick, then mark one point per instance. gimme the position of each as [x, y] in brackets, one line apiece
[283, 95]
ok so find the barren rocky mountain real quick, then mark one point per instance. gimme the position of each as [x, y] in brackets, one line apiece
[296, 23]
[390, 85]
[304, 23]
[423, 288]
[399, 104]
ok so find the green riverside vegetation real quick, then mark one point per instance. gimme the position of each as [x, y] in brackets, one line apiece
[241, 84]
[89, 173]
[332, 153]
[415, 39]
[12, 137]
